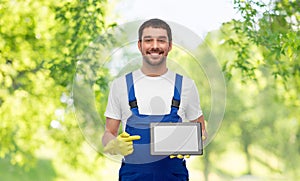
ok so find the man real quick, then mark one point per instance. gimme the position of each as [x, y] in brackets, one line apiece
[150, 94]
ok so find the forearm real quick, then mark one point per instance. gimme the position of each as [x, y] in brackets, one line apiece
[107, 137]
[111, 130]
[200, 120]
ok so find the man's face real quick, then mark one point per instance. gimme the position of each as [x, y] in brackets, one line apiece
[154, 45]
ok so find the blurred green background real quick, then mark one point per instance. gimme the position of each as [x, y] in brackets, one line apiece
[40, 42]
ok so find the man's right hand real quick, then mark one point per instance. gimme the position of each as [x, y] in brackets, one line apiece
[122, 145]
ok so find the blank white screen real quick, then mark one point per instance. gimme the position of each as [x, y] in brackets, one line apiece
[175, 138]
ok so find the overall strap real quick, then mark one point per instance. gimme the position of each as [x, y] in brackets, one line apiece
[131, 94]
[177, 92]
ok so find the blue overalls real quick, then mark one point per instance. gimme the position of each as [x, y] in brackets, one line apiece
[141, 165]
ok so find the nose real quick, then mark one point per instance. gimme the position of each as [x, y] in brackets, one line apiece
[155, 44]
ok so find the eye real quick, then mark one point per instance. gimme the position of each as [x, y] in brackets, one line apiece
[161, 40]
[148, 40]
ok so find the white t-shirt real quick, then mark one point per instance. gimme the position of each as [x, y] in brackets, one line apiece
[154, 96]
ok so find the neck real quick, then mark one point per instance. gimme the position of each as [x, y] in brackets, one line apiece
[154, 71]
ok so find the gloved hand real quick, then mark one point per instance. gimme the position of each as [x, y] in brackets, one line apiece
[204, 137]
[180, 156]
[122, 145]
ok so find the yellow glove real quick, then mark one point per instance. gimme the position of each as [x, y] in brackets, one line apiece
[186, 156]
[122, 145]
[180, 156]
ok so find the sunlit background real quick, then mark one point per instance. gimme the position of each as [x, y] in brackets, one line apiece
[199, 16]
[54, 84]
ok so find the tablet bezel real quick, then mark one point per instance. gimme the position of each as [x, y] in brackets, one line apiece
[176, 152]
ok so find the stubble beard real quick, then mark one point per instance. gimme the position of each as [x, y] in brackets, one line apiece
[154, 63]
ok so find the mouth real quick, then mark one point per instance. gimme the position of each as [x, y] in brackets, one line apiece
[155, 53]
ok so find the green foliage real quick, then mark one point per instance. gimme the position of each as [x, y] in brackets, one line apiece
[40, 42]
[274, 29]
[43, 171]
[26, 106]
[81, 22]
[43, 44]
[260, 57]
[261, 118]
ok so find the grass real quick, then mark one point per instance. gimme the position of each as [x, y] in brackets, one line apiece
[49, 170]
[44, 171]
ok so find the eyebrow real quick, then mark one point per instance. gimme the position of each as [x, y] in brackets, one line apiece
[161, 37]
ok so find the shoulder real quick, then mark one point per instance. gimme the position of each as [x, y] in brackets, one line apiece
[185, 78]
[120, 82]
[118, 85]
[188, 86]
[187, 81]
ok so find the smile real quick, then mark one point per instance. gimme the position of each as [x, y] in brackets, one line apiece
[156, 53]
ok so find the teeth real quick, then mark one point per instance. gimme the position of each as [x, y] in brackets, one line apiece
[155, 53]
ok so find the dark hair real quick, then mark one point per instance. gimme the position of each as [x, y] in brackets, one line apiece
[155, 23]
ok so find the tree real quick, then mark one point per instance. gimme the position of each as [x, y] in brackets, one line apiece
[274, 29]
[40, 42]
[265, 44]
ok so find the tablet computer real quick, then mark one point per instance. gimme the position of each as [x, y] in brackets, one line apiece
[176, 138]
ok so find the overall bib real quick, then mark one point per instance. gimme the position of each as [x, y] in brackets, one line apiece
[141, 165]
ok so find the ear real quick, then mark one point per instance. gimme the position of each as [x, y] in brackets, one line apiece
[140, 45]
[170, 46]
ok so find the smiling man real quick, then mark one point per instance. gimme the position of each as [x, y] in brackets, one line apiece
[150, 94]
[154, 45]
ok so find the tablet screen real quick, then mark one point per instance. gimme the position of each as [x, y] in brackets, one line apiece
[176, 138]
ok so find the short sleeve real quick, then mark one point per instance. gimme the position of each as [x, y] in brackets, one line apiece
[193, 109]
[113, 108]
